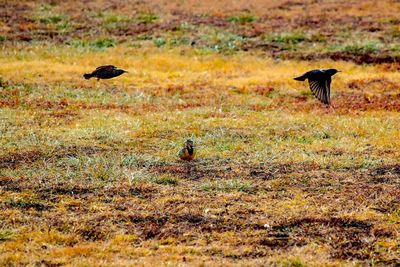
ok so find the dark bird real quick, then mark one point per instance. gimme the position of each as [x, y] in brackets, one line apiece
[104, 72]
[187, 151]
[320, 83]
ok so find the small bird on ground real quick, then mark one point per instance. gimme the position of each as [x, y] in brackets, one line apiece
[320, 83]
[187, 151]
[104, 72]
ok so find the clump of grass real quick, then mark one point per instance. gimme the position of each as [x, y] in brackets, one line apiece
[6, 235]
[46, 15]
[243, 18]
[103, 43]
[53, 19]
[99, 44]
[78, 43]
[289, 38]
[131, 161]
[292, 263]
[304, 140]
[165, 180]
[323, 135]
[318, 37]
[364, 48]
[100, 168]
[225, 146]
[45, 7]
[186, 26]
[233, 185]
[112, 20]
[159, 42]
[171, 42]
[148, 18]
[136, 161]
[223, 42]
[396, 32]
[178, 41]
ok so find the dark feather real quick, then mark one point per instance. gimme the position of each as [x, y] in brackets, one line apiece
[320, 83]
[105, 72]
[320, 89]
[106, 67]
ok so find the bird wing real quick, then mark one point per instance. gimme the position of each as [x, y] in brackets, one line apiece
[106, 67]
[183, 153]
[321, 89]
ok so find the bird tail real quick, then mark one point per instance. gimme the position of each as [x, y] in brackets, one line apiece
[87, 76]
[301, 78]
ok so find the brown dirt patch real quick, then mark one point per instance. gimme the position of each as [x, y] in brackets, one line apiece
[347, 237]
[371, 84]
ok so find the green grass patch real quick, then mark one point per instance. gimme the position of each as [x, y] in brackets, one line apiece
[233, 185]
[103, 43]
[223, 42]
[115, 21]
[364, 48]
[147, 18]
[159, 42]
[6, 235]
[52, 19]
[242, 18]
[289, 38]
[165, 180]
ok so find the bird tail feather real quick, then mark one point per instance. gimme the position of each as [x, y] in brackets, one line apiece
[301, 78]
[87, 76]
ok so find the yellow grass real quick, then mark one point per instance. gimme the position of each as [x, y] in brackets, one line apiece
[90, 174]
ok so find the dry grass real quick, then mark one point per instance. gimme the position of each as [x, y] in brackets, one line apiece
[89, 173]
[89, 169]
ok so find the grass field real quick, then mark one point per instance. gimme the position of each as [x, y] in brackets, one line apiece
[89, 173]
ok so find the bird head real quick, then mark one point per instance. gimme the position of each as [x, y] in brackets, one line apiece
[120, 71]
[189, 143]
[332, 72]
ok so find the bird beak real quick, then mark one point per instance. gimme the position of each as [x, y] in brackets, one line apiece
[339, 71]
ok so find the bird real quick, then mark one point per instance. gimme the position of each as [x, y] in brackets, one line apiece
[187, 151]
[320, 83]
[104, 72]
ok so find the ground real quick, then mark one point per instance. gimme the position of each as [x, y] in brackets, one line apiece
[89, 172]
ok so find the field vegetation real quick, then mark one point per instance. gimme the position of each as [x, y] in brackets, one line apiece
[89, 172]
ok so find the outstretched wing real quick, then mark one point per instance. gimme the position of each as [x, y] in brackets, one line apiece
[321, 89]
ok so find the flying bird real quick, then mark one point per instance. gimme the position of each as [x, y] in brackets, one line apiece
[320, 83]
[187, 151]
[104, 72]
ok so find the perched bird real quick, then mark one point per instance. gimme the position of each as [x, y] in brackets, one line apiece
[320, 83]
[187, 151]
[104, 72]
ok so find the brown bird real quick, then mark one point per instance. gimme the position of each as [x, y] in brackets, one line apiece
[187, 151]
[320, 83]
[104, 72]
